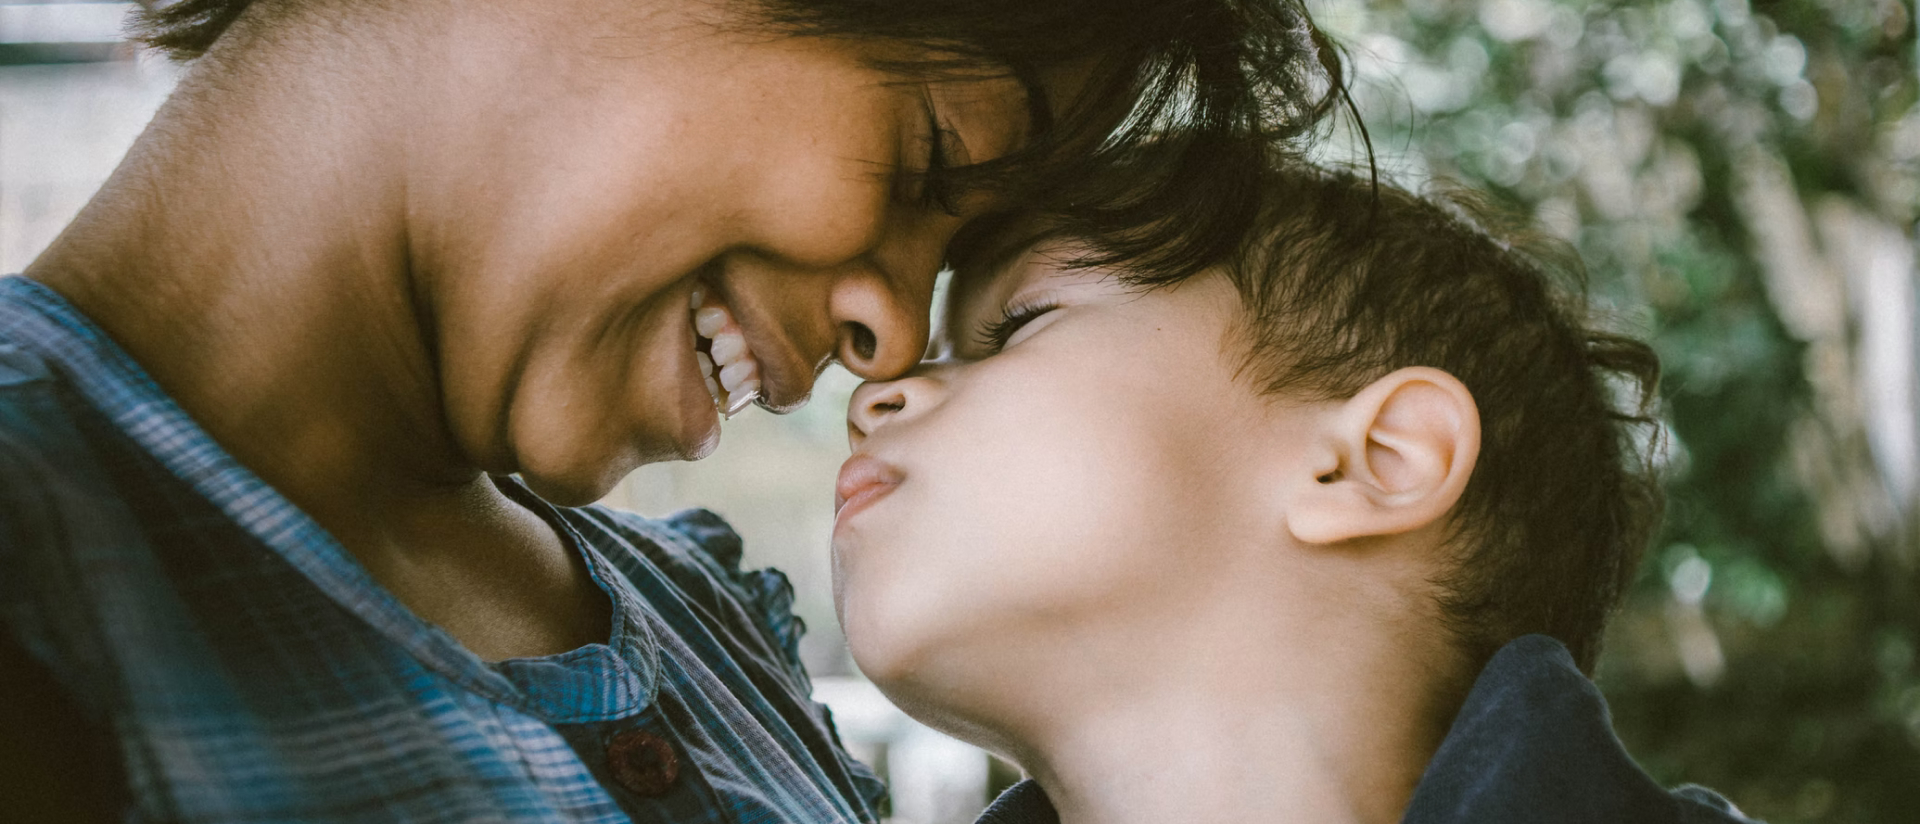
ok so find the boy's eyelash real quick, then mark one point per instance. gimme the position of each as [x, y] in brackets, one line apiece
[994, 334]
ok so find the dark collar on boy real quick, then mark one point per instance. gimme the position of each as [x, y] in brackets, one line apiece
[1533, 742]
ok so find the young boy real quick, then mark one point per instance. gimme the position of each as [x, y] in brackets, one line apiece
[1327, 534]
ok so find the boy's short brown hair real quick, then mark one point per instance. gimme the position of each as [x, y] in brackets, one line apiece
[1345, 280]
[1348, 281]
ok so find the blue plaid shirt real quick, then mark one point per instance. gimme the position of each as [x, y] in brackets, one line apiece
[236, 664]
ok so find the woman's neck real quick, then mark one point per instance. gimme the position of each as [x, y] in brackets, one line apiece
[267, 290]
[251, 254]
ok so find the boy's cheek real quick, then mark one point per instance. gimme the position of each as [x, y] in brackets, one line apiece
[942, 556]
[909, 557]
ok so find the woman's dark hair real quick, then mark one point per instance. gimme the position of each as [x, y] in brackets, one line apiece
[1154, 165]
[1347, 281]
[1187, 96]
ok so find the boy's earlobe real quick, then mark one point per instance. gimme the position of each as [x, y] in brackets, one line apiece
[1396, 458]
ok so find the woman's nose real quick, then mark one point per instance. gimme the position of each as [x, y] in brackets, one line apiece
[881, 321]
[877, 404]
[819, 214]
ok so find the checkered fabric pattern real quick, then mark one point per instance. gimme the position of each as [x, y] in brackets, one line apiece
[249, 669]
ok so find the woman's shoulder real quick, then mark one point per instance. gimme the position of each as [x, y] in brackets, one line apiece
[47, 460]
[688, 568]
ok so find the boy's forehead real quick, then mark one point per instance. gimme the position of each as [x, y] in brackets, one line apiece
[986, 258]
[982, 286]
[975, 286]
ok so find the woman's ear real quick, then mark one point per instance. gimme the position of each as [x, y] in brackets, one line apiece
[1392, 459]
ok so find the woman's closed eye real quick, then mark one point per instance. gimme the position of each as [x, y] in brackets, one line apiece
[935, 182]
[997, 334]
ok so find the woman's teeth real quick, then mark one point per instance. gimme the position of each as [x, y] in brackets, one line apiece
[732, 375]
[728, 347]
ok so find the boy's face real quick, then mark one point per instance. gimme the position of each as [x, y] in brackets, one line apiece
[1077, 481]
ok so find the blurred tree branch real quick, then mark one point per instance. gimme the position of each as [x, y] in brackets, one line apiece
[1743, 182]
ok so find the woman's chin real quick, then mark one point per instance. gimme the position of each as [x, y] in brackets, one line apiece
[572, 489]
[579, 477]
[700, 430]
[580, 471]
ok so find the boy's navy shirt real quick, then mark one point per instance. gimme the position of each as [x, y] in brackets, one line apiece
[1533, 743]
[178, 642]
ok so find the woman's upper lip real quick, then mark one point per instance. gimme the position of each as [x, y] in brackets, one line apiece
[863, 473]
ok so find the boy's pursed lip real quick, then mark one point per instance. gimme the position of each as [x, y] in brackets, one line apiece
[863, 480]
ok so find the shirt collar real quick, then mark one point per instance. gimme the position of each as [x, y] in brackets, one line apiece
[1533, 742]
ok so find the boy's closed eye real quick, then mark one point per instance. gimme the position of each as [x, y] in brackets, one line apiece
[991, 312]
[1013, 325]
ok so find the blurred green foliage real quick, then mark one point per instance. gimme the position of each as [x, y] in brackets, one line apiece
[1684, 146]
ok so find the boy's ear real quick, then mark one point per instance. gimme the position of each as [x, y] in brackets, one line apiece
[1392, 459]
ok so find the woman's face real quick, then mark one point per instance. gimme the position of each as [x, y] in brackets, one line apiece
[597, 163]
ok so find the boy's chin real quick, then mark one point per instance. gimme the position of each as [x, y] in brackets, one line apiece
[972, 702]
[897, 653]
[922, 669]
[911, 684]
[882, 653]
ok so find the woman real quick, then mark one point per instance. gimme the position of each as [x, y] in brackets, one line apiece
[285, 411]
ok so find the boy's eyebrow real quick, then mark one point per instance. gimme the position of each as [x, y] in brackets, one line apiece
[993, 241]
[966, 295]
[960, 293]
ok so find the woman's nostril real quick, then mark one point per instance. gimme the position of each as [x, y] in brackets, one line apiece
[865, 344]
[890, 406]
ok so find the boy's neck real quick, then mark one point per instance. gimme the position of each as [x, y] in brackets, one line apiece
[1225, 724]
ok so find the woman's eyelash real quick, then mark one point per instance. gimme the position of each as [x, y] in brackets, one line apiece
[936, 187]
[994, 334]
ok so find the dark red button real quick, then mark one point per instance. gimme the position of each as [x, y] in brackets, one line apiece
[642, 762]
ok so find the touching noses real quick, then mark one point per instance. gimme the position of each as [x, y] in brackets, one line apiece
[878, 404]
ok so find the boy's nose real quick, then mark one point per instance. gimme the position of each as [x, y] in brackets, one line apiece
[876, 404]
